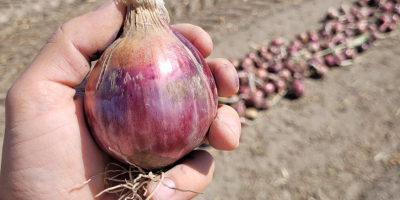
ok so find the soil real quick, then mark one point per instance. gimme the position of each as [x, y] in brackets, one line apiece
[340, 141]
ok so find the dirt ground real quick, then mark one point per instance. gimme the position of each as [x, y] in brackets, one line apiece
[340, 141]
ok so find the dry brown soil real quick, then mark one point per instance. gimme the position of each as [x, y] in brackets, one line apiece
[340, 141]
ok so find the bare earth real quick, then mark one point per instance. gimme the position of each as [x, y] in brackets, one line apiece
[341, 141]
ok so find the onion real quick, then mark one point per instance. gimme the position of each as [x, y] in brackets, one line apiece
[387, 6]
[285, 74]
[332, 14]
[256, 99]
[303, 37]
[151, 97]
[261, 73]
[330, 60]
[314, 47]
[245, 90]
[240, 107]
[278, 42]
[235, 63]
[268, 88]
[247, 64]
[313, 36]
[280, 85]
[297, 88]
[275, 68]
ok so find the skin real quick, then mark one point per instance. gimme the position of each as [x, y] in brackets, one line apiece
[48, 148]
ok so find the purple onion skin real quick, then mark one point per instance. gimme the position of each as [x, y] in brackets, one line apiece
[155, 100]
[297, 88]
[240, 108]
[256, 99]
[268, 88]
[330, 61]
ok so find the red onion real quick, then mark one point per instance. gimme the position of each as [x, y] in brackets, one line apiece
[285, 74]
[275, 68]
[289, 63]
[278, 42]
[362, 48]
[254, 57]
[247, 64]
[256, 99]
[337, 27]
[243, 78]
[275, 50]
[268, 88]
[262, 65]
[385, 18]
[244, 91]
[350, 53]
[332, 14]
[235, 63]
[395, 17]
[318, 70]
[261, 73]
[240, 108]
[313, 36]
[330, 60]
[349, 32]
[387, 6]
[297, 88]
[151, 97]
[361, 27]
[303, 37]
[391, 27]
[314, 46]
[268, 56]
[280, 85]
[349, 19]
[323, 33]
[397, 8]
[266, 105]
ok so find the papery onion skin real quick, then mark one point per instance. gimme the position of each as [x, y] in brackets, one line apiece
[155, 100]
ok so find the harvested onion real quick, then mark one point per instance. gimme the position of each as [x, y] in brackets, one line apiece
[151, 97]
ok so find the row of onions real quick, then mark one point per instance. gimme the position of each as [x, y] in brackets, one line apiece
[278, 69]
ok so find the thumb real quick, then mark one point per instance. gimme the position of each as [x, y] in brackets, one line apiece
[185, 180]
[65, 57]
[162, 190]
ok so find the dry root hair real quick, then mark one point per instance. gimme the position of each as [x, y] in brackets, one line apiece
[129, 183]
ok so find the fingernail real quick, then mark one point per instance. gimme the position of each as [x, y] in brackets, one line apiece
[105, 4]
[231, 123]
[163, 192]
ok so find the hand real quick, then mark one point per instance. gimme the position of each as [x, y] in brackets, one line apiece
[48, 148]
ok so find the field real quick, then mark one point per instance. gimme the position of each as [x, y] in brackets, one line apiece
[340, 141]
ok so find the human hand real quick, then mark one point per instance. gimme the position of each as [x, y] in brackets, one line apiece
[48, 148]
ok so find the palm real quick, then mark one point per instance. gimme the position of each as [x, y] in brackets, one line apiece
[68, 156]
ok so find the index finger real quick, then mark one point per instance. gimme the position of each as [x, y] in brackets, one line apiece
[65, 57]
[197, 36]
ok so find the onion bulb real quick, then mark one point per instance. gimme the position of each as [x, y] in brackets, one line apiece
[151, 97]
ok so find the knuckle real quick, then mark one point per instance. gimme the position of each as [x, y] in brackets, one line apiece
[60, 32]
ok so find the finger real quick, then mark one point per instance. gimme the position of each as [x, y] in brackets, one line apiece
[197, 36]
[225, 131]
[193, 173]
[65, 58]
[225, 76]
